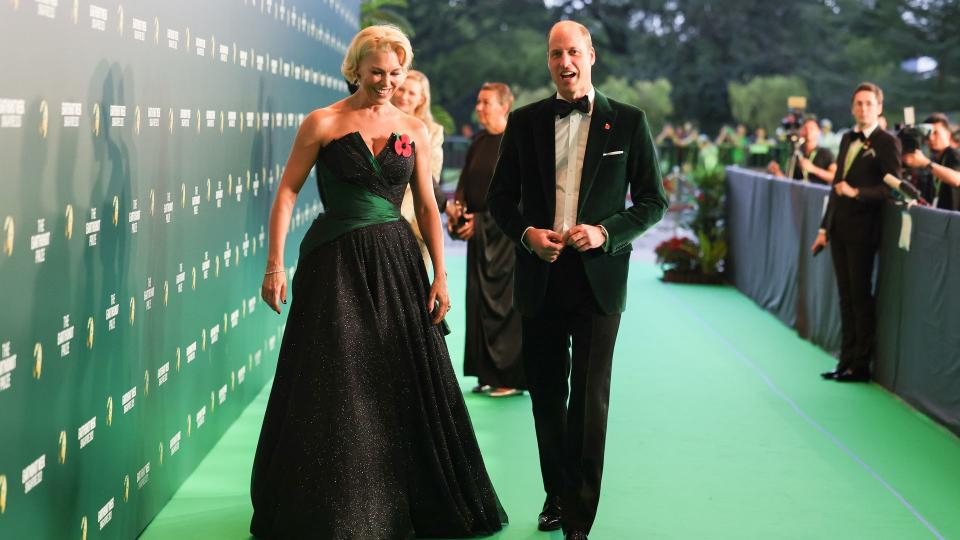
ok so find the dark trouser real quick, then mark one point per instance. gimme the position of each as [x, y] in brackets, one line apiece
[571, 437]
[853, 265]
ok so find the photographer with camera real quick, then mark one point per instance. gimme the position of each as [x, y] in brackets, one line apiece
[809, 162]
[943, 163]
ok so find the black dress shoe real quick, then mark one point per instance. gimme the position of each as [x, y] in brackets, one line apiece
[575, 535]
[853, 375]
[830, 375]
[549, 519]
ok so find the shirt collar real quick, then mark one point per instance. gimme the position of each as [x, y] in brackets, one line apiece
[869, 131]
[590, 95]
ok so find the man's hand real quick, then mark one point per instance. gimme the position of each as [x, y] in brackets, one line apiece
[819, 243]
[846, 190]
[465, 230]
[774, 168]
[584, 237]
[545, 243]
[806, 164]
[916, 160]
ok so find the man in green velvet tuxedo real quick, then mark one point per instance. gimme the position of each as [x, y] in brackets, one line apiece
[566, 165]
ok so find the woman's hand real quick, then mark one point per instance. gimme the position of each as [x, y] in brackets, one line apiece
[274, 289]
[439, 301]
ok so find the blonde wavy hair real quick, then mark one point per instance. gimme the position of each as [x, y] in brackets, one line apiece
[422, 112]
[382, 37]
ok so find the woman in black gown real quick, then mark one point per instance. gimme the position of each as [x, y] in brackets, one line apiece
[366, 435]
[492, 344]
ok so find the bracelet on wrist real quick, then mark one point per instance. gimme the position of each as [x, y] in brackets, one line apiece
[269, 272]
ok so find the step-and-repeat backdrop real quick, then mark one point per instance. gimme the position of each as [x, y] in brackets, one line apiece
[141, 143]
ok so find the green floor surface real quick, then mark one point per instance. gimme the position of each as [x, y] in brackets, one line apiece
[719, 429]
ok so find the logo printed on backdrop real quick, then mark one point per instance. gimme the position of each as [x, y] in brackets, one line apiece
[3, 494]
[116, 210]
[109, 411]
[139, 27]
[143, 476]
[120, 20]
[200, 45]
[39, 242]
[44, 119]
[92, 227]
[175, 443]
[129, 400]
[8, 362]
[71, 113]
[110, 315]
[85, 432]
[163, 372]
[173, 38]
[105, 514]
[133, 310]
[168, 208]
[45, 8]
[180, 279]
[146, 383]
[148, 294]
[156, 30]
[189, 425]
[63, 447]
[90, 328]
[64, 337]
[136, 120]
[96, 119]
[68, 227]
[83, 528]
[126, 487]
[98, 18]
[8, 234]
[195, 200]
[37, 360]
[118, 115]
[32, 474]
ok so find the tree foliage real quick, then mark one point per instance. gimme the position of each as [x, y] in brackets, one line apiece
[761, 101]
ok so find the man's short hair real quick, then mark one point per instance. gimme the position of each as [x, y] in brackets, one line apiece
[939, 118]
[868, 87]
[504, 95]
[583, 30]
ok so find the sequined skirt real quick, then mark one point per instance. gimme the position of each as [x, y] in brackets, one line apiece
[366, 434]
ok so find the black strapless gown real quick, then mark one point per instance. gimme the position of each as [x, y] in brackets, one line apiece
[366, 435]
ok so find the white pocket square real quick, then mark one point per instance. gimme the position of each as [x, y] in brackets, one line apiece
[614, 153]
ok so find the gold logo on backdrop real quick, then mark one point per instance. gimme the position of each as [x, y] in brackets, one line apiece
[96, 119]
[90, 329]
[198, 120]
[189, 425]
[69, 226]
[183, 195]
[136, 123]
[156, 30]
[213, 48]
[76, 11]
[166, 292]
[250, 361]
[203, 339]
[153, 202]
[8, 229]
[116, 210]
[216, 266]
[236, 258]
[3, 494]
[37, 360]
[213, 403]
[189, 42]
[63, 447]
[248, 179]
[226, 328]
[234, 52]
[221, 122]
[133, 310]
[44, 119]
[242, 120]
[233, 381]
[161, 452]
[170, 120]
[146, 383]
[83, 528]
[243, 309]
[120, 20]
[109, 411]
[209, 189]
[230, 184]
[193, 283]
[178, 359]
[126, 487]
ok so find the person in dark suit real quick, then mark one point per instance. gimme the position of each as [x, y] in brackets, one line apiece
[566, 164]
[851, 225]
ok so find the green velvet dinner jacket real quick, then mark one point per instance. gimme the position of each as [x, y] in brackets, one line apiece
[620, 157]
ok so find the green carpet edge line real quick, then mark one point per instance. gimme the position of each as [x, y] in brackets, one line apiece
[746, 360]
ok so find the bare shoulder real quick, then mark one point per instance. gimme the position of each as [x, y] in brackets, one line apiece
[320, 125]
[415, 128]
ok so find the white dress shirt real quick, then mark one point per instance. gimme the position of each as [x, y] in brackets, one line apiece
[570, 137]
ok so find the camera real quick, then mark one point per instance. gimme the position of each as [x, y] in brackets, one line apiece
[912, 135]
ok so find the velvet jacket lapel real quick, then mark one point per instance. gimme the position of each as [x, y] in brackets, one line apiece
[601, 122]
[544, 138]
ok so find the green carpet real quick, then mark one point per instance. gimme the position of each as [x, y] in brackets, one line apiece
[719, 429]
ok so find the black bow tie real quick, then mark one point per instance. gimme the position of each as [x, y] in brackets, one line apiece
[563, 108]
[858, 136]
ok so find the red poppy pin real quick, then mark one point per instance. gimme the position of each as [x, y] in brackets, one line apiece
[606, 126]
[402, 146]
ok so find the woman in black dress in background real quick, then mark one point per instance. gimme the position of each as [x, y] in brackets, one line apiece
[366, 435]
[492, 344]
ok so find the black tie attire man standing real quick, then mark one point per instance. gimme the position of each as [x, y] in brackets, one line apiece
[852, 226]
[565, 167]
